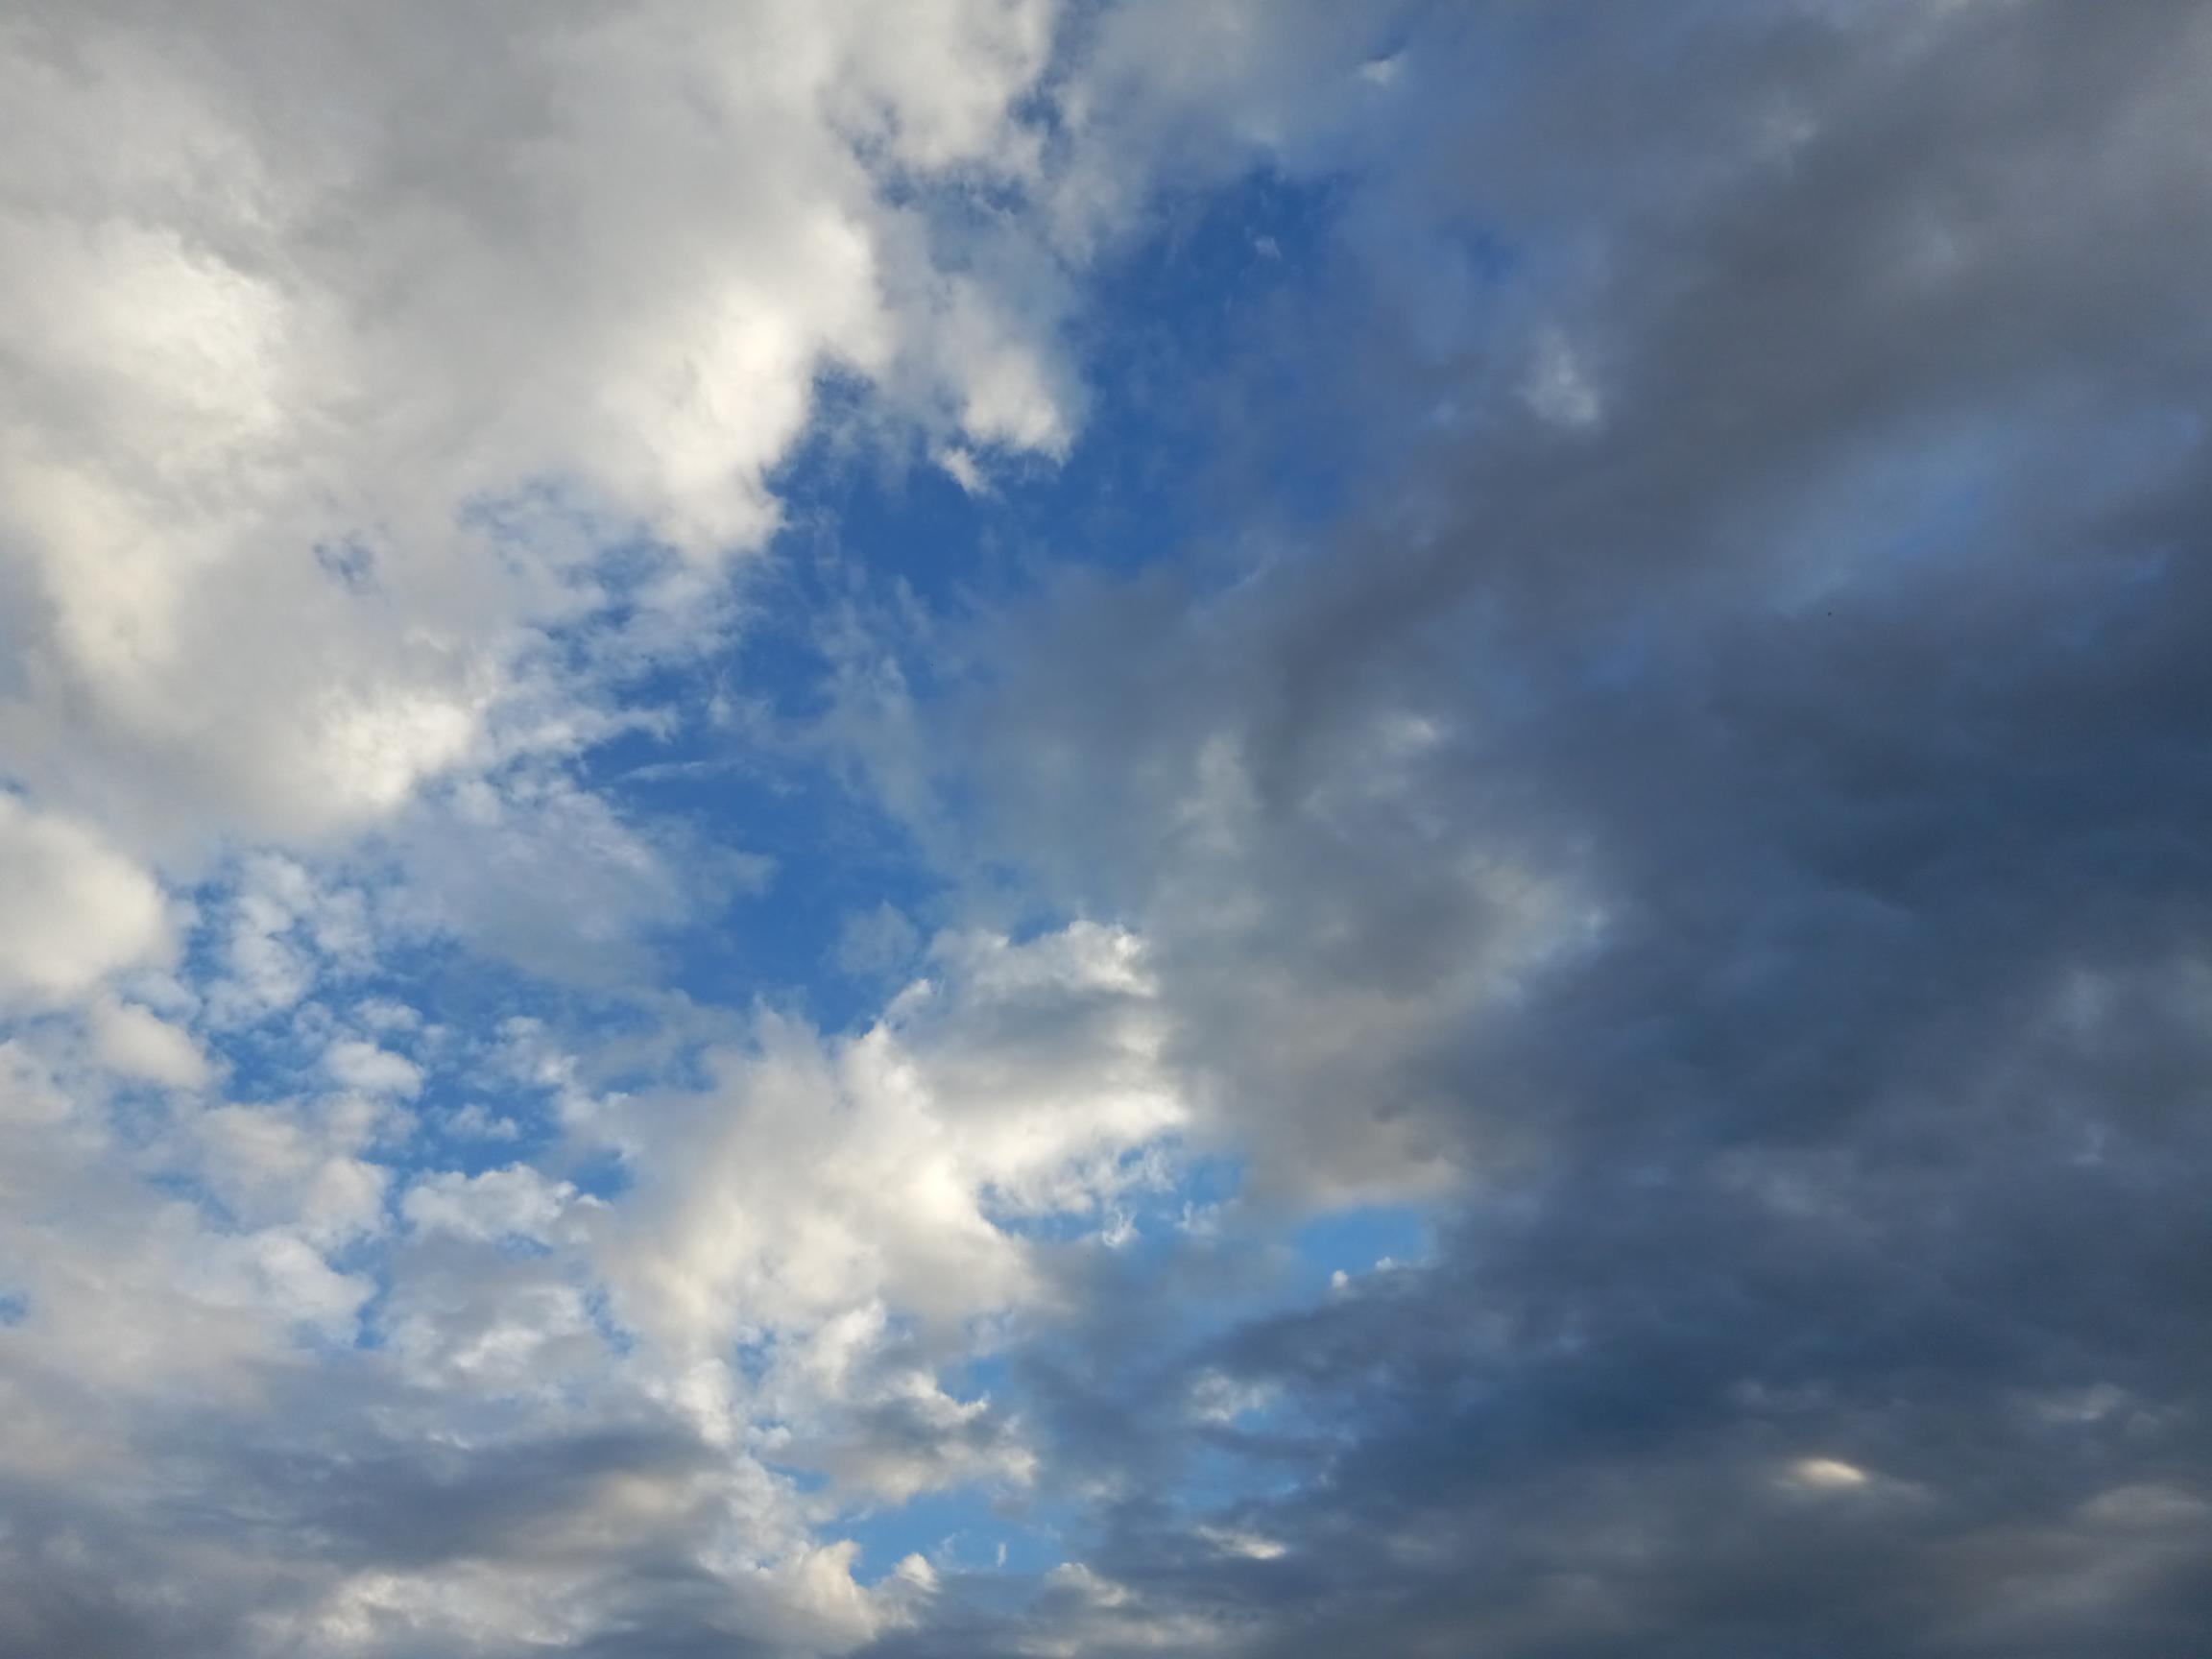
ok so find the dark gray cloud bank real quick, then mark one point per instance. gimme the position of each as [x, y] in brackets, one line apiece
[1735, 787]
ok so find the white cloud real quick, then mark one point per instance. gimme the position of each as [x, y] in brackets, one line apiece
[72, 908]
[295, 1166]
[353, 1064]
[133, 1041]
[1248, 1545]
[515, 1202]
[319, 408]
[1558, 385]
[1826, 1475]
[816, 1179]
[282, 931]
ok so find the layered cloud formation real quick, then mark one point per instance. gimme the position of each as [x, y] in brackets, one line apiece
[1002, 828]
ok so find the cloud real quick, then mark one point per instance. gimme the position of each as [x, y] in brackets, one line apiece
[133, 1041]
[1710, 817]
[515, 1202]
[72, 908]
[1670, 749]
[475, 862]
[797, 1254]
[837, 1208]
[370, 1070]
[289, 371]
[815, 1182]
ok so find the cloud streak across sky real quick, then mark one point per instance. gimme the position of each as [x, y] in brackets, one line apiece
[1007, 829]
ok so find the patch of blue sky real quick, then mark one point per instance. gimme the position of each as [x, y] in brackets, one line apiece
[1360, 1240]
[1154, 1231]
[280, 1055]
[988, 1373]
[832, 859]
[966, 1530]
[1260, 1456]
[1198, 411]
[1167, 345]
[1259, 1449]
[1941, 494]
[973, 1526]
[1168, 324]
[1169, 1193]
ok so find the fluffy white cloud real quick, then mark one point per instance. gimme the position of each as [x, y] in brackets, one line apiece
[354, 1064]
[844, 1208]
[815, 1180]
[515, 1202]
[298, 1165]
[134, 1042]
[337, 346]
[72, 907]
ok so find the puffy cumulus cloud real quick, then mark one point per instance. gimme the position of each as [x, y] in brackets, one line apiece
[362, 1065]
[298, 1165]
[73, 910]
[134, 1042]
[816, 1184]
[490, 1409]
[515, 1202]
[127, 1294]
[730, 1243]
[276, 933]
[339, 349]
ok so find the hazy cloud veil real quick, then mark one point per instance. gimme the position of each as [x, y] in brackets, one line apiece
[1007, 827]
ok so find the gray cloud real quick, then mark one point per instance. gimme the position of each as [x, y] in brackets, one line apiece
[1730, 799]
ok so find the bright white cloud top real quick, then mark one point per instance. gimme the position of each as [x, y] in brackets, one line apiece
[996, 828]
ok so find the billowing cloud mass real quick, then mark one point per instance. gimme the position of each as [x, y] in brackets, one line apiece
[1007, 829]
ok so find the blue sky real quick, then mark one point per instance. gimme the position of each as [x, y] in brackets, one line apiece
[1034, 828]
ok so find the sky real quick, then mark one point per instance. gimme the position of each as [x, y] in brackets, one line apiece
[1056, 829]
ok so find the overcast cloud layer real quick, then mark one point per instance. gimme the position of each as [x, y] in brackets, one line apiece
[998, 827]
